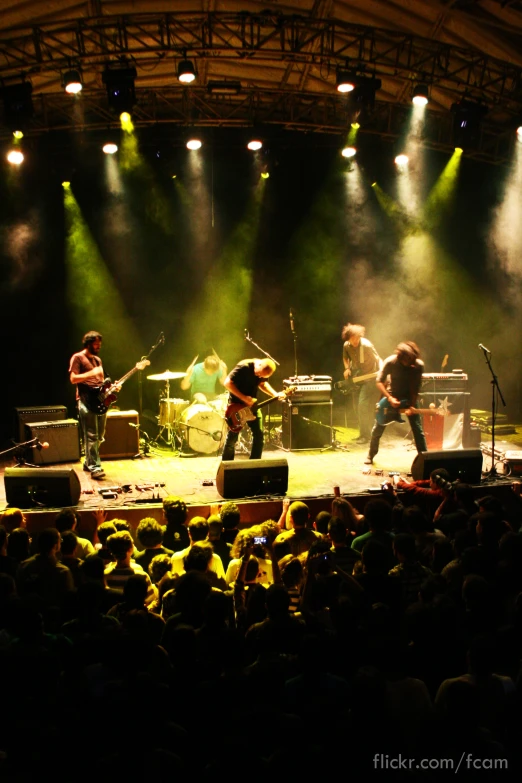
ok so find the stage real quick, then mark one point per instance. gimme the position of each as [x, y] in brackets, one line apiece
[312, 476]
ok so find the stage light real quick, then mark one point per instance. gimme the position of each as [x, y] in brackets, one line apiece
[224, 87]
[355, 125]
[254, 145]
[519, 133]
[402, 160]
[18, 105]
[345, 81]
[264, 175]
[18, 134]
[349, 152]
[420, 95]
[193, 144]
[126, 122]
[374, 184]
[467, 123]
[186, 71]
[121, 93]
[66, 184]
[15, 157]
[72, 82]
[110, 148]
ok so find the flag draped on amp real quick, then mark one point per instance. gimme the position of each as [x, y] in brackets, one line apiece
[449, 424]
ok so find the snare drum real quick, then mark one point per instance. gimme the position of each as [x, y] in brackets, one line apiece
[204, 429]
[170, 409]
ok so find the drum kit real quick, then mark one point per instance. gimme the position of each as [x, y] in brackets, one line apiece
[200, 426]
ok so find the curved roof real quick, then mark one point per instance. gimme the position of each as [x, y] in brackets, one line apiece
[284, 54]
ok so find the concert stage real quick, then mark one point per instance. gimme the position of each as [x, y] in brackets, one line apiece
[312, 476]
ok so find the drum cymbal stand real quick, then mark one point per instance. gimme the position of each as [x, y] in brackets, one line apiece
[170, 440]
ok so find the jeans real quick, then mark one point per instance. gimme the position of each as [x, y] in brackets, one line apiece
[416, 428]
[256, 427]
[93, 430]
[368, 398]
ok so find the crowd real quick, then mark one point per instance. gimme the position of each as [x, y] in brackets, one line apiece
[299, 646]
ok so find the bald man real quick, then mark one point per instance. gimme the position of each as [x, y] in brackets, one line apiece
[243, 383]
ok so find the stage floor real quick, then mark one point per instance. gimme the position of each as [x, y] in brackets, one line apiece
[312, 473]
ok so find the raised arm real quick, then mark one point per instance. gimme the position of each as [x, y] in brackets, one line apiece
[186, 382]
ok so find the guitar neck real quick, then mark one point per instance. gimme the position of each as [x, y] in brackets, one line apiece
[265, 402]
[125, 377]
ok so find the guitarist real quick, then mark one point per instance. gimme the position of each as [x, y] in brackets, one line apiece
[400, 379]
[86, 368]
[361, 358]
[243, 382]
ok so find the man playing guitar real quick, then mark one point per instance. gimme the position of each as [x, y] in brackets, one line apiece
[86, 368]
[361, 365]
[243, 382]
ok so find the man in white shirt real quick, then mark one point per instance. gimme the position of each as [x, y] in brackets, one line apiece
[198, 531]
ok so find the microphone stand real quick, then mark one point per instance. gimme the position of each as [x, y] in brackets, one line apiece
[294, 337]
[334, 444]
[492, 473]
[18, 453]
[146, 448]
[249, 339]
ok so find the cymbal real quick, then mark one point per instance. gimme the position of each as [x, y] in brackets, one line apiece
[166, 376]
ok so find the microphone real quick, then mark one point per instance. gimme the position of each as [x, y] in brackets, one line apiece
[483, 348]
[291, 320]
[136, 426]
[41, 446]
[216, 435]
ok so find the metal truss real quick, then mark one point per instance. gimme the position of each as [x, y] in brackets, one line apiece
[150, 40]
[312, 113]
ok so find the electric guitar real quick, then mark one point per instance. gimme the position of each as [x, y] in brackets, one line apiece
[352, 380]
[98, 399]
[385, 413]
[237, 414]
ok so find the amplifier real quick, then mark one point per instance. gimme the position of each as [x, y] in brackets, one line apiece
[310, 388]
[63, 438]
[42, 413]
[454, 381]
[306, 426]
[121, 440]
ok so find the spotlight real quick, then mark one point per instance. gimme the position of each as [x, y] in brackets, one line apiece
[193, 144]
[72, 82]
[18, 105]
[254, 145]
[18, 134]
[345, 81]
[355, 125]
[110, 148]
[186, 71]
[420, 95]
[348, 152]
[467, 123]
[264, 175]
[224, 87]
[401, 160]
[120, 88]
[15, 157]
[519, 133]
[66, 184]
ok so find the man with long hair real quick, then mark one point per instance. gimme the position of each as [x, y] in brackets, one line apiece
[360, 358]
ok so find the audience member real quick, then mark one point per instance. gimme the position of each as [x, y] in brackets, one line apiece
[121, 547]
[150, 536]
[68, 519]
[298, 539]
[230, 517]
[176, 535]
[43, 575]
[198, 531]
[409, 571]
[215, 536]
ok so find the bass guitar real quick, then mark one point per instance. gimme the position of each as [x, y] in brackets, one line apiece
[353, 380]
[237, 414]
[385, 413]
[98, 399]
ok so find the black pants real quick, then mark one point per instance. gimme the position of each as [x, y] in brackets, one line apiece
[256, 426]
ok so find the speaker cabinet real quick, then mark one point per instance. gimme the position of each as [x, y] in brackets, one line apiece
[303, 425]
[121, 440]
[30, 487]
[463, 464]
[43, 413]
[252, 477]
[63, 438]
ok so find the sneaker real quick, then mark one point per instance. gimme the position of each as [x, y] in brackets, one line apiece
[360, 440]
[368, 461]
[98, 474]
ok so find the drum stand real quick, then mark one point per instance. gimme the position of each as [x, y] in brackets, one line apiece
[170, 440]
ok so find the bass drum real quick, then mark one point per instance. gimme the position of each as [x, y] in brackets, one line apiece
[203, 428]
[220, 403]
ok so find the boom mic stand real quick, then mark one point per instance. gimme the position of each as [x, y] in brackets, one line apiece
[334, 444]
[19, 449]
[492, 473]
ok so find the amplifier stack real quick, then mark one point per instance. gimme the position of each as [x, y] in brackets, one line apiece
[307, 414]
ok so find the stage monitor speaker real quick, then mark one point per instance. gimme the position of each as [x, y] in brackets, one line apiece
[463, 464]
[63, 438]
[43, 413]
[121, 439]
[252, 477]
[30, 487]
[303, 425]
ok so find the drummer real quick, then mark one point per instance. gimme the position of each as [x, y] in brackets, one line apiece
[201, 378]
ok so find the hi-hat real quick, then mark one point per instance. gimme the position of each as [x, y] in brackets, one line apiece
[166, 376]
